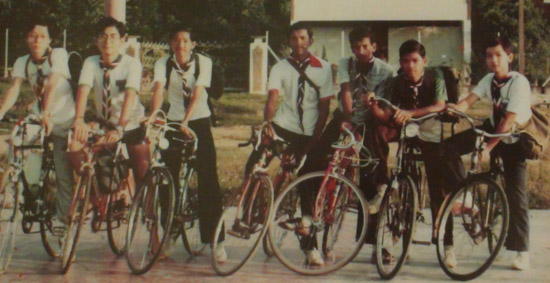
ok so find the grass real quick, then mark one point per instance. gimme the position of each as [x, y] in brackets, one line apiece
[236, 112]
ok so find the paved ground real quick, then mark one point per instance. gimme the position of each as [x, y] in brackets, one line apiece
[96, 263]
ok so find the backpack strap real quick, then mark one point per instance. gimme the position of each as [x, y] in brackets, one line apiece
[197, 66]
[169, 67]
[306, 78]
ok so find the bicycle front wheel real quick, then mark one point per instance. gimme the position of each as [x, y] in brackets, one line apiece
[77, 216]
[243, 224]
[474, 220]
[396, 225]
[118, 209]
[48, 218]
[10, 217]
[150, 220]
[190, 226]
[294, 232]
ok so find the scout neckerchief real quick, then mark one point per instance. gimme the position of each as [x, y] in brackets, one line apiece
[182, 71]
[107, 84]
[498, 106]
[360, 80]
[301, 87]
[415, 86]
[39, 87]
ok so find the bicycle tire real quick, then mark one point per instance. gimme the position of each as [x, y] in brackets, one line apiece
[288, 203]
[456, 205]
[190, 224]
[118, 209]
[9, 219]
[48, 213]
[77, 217]
[239, 241]
[398, 217]
[266, 245]
[138, 215]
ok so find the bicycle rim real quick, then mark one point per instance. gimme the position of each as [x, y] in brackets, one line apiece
[10, 217]
[396, 225]
[342, 240]
[147, 231]
[190, 226]
[48, 218]
[478, 215]
[118, 211]
[77, 217]
[242, 226]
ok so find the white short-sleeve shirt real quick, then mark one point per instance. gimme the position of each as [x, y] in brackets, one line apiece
[62, 101]
[515, 94]
[126, 75]
[175, 89]
[284, 78]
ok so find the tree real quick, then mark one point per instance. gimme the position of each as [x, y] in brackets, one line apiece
[493, 17]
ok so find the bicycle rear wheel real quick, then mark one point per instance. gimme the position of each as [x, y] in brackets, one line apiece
[149, 222]
[243, 225]
[477, 213]
[118, 209]
[278, 185]
[10, 217]
[77, 216]
[291, 235]
[396, 225]
[190, 226]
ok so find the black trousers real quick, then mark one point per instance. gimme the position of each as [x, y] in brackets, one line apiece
[209, 193]
[515, 177]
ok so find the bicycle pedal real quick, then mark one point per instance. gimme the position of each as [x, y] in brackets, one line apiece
[59, 231]
[424, 243]
[239, 234]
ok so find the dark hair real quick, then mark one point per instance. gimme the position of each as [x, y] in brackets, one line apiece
[502, 41]
[357, 34]
[29, 26]
[299, 26]
[179, 28]
[110, 22]
[412, 46]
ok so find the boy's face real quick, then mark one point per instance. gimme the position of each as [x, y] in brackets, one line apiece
[182, 44]
[38, 40]
[109, 41]
[413, 65]
[498, 60]
[300, 42]
[363, 50]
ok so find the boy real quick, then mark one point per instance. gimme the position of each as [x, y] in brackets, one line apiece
[305, 82]
[419, 91]
[47, 71]
[116, 80]
[190, 75]
[510, 94]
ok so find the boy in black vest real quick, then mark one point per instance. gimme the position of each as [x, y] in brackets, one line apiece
[419, 91]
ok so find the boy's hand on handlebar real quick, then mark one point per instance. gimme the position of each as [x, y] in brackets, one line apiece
[80, 130]
[402, 116]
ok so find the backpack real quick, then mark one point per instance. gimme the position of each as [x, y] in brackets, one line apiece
[217, 81]
[452, 81]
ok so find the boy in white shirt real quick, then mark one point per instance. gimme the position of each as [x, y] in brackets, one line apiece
[47, 71]
[190, 75]
[115, 79]
[510, 94]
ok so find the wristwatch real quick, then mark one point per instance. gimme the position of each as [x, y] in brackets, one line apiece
[120, 129]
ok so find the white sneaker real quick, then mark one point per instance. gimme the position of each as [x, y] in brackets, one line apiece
[521, 261]
[314, 257]
[374, 204]
[219, 253]
[450, 257]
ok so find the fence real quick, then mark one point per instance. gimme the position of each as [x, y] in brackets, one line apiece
[232, 56]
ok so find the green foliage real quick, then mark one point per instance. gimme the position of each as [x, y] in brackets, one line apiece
[493, 17]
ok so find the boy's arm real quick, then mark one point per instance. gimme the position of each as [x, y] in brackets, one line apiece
[347, 101]
[10, 96]
[158, 97]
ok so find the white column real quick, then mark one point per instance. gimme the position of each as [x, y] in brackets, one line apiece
[6, 55]
[116, 9]
[467, 41]
[257, 81]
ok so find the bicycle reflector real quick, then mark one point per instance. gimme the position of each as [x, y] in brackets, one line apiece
[163, 143]
[411, 130]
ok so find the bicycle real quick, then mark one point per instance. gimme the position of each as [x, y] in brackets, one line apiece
[399, 209]
[151, 224]
[335, 205]
[109, 200]
[247, 213]
[29, 204]
[478, 212]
